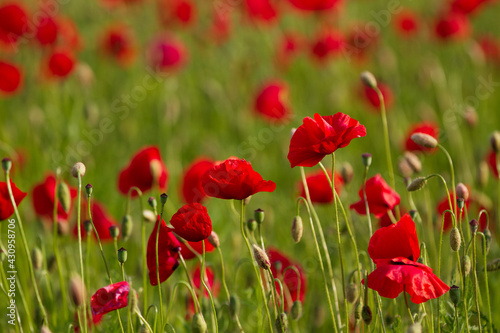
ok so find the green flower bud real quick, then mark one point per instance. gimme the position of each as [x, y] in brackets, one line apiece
[455, 294]
[64, 196]
[152, 202]
[297, 229]
[259, 215]
[6, 164]
[455, 239]
[234, 305]
[417, 184]
[132, 301]
[358, 310]
[466, 265]
[347, 172]
[122, 255]
[89, 189]
[114, 231]
[198, 324]
[366, 314]
[367, 159]
[487, 237]
[424, 140]
[352, 292]
[261, 257]
[87, 225]
[127, 226]
[368, 79]
[251, 225]
[282, 323]
[36, 258]
[163, 198]
[296, 310]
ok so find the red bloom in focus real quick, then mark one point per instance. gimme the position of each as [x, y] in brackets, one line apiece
[406, 23]
[166, 54]
[371, 96]
[328, 44]
[272, 101]
[287, 49]
[110, 298]
[321, 136]
[380, 196]
[168, 253]
[452, 25]
[43, 200]
[315, 5]
[10, 78]
[60, 63]
[118, 43]
[491, 48]
[280, 262]
[426, 128]
[13, 22]
[144, 171]
[320, 188]
[234, 179]
[492, 162]
[6, 208]
[173, 12]
[261, 10]
[186, 252]
[46, 31]
[192, 222]
[467, 6]
[101, 219]
[192, 190]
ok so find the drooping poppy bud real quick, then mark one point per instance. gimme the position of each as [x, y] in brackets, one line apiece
[424, 140]
[261, 257]
[417, 184]
[297, 229]
[455, 239]
[127, 226]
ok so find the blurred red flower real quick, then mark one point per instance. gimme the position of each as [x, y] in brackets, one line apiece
[13, 22]
[192, 222]
[101, 219]
[220, 28]
[272, 101]
[186, 252]
[210, 281]
[261, 10]
[118, 43]
[373, 100]
[43, 200]
[287, 49]
[327, 44]
[191, 187]
[11, 78]
[145, 170]
[492, 162]
[46, 31]
[407, 23]
[315, 5]
[176, 12]
[426, 128]
[166, 54]
[380, 196]
[444, 205]
[467, 6]
[321, 136]
[279, 263]
[490, 47]
[320, 188]
[452, 25]
[6, 208]
[110, 298]
[234, 179]
[60, 63]
[68, 34]
[168, 253]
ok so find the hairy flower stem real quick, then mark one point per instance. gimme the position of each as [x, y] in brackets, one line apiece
[79, 226]
[158, 265]
[407, 305]
[202, 276]
[474, 272]
[129, 315]
[257, 275]
[490, 318]
[452, 172]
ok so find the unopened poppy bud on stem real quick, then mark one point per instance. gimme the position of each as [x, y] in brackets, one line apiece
[251, 225]
[87, 225]
[127, 226]
[297, 229]
[198, 324]
[462, 191]
[495, 141]
[156, 169]
[413, 161]
[352, 292]
[417, 184]
[152, 202]
[358, 310]
[368, 79]
[460, 203]
[487, 238]
[455, 239]
[148, 216]
[367, 159]
[259, 215]
[296, 310]
[6, 164]
[424, 140]
[132, 301]
[88, 189]
[366, 314]
[455, 294]
[163, 198]
[78, 169]
[483, 173]
[122, 255]
[114, 231]
[282, 323]
[261, 257]
[213, 239]
[466, 265]
[474, 224]
[347, 172]
[64, 196]
[493, 265]
[234, 305]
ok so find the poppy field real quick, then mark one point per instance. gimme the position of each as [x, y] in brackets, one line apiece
[249, 166]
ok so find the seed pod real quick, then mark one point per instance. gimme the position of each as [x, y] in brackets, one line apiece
[127, 226]
[352, 292]
[251, 225]
[296, 310]
[424, 140]
[122, 255]
[495, 141]
[78, 169]
[259, 215]
[282, 323]
[368, 79]
[163, 198]
[347, 172]
[36, 258]
[198, 324]
[234, 305]
[297, 228]
[77, 290]
[261, 257]
[213, 239]
[114, 231]
[64, 196]
[417, 184]
[6, 164]
[462, 191]
[89, 189]
[413, 161]
[414, 328]
[148, 216]
[455, 239]
[455, 294]
[367, 159]
[358, 311]
[493, 265]
[466, 265]
[132, 301]
[366, 314]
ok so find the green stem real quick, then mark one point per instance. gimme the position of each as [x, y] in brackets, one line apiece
[158, 265]
[490, 318]
[202, 273]
[476, 297]
[129, 316]
[79, 226]
[408, 305]
[452, 171]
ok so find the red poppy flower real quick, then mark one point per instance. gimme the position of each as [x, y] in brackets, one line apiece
[320, 188]
[110, 298]
[43, 200]
[321, 136]
[60, 63]
[10, 78]
[279, 263]
[6, 208]
[396, 240]
[328, 44]
[168, 253]
[261, 10]
[144, 171]
[452, 25]
[492, 162]
[406, 23]
[118, 44]
[272, 101]
[186, 252]
[393, 276]
[192, 222]
[209, 280]
[176, 12]
[287, 49]
[166, 54]
[426, 128]
[315, 5]
[380, 196]
[491, 48]
[467, 6]
[234, 179]
[372, 99]
[46, 31]
[220, 29]
[13, 22]
[444, 205]
[360, 42]
[101, 219]
[192, 190]
[68, 34]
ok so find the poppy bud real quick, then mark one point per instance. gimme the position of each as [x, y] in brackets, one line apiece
[51, 264]
[493, 265]
[460, 203]
[462, 191]
[114, 231]
[78, 169]
[36, 258]
[64, 196]
[404, 168]
[259, 215]
[413, 161]
[282, 323]
[367, 159]
[76, 290]
[455, 239]
[251, 225]
[455, 294]
[487, 238]
[127, 226]
[358, 311]
[366, 314]
[163, 198]
[296, 310]
[474, 224]
[88, 189]
[261, 257]
[368, 79]
[414, 328]
[466, 265]
[122, 255]
[413, 214]
[483, 173]
[148, 216]
[152, 202]
[352, 292]
[87, 225]
[495, 141]
[424, 140]
[297, 229]
[234, 305]
[6, 164]
[198, 324]
[417, 184]
[132, 301]
[45, 329]
[213, 239]
[346, 172]
[144, 329]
